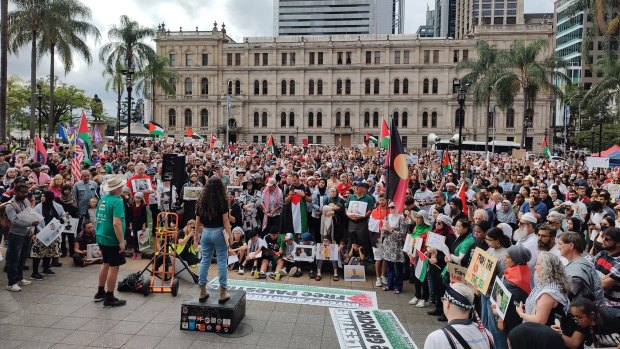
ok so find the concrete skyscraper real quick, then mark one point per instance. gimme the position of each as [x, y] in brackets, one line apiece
[470, 13]
[338, 17]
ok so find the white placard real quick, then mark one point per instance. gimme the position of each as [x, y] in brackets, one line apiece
[593, 162]
[354, 273]
[304, 253]
[93, 252]
[51, 231]
[192, 193]
[500, 296]
[327, 252]
[29, 216]
[233, 258]
[357, 208]
[437, 242]
[411, 244]
[71, 226]
[141, 184]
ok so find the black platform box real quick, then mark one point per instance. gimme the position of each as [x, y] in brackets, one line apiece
[211, 316]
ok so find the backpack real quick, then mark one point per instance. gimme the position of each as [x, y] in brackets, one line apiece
[5, 223]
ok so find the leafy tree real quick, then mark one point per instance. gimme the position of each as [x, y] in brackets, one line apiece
[157, 72]
[127, 46]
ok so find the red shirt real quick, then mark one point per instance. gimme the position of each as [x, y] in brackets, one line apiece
[130, 186]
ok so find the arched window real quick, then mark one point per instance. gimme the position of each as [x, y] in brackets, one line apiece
[347, 119]
[188, 117]
[347, 87]
[338, 119]
[188, 86]
[510, 118]
[435, 86]
[310, 119]
[425, 86]
[291, 88]
[434, 119]
[204, 118]
[204, 86]
[238, 87]
[376, 87]
[367, 119]
[425, 119]
[283, 119]
[173, 84]
[256, 87]
[396, 86]
[311, 87]
[395, 118]
[283, 87]
[264, 121]
[291, 119]
[230, 87]
[339, 87]
[458, 118]
[405, 119]
[405, 86]
[375, 119]
[319, 119]
[319, 87]
[172, 117]
[256, 119]
[367, 87]
[265, 87]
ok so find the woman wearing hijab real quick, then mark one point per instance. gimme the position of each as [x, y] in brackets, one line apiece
[49, 210]
[505, 214]
[335, 204]
[422, 227]
[68, 204]
[516, 279]
[250, 200]
[318, 197]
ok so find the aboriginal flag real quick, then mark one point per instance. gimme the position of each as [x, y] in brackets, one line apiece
[398, 171]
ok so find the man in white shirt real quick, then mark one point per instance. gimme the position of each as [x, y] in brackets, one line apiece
[461, 331]
[529, 240]
[424, 197]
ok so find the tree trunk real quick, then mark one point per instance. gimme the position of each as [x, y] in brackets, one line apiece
[153, 100]
[486, 141]
[33, 84]
[525, 121]
[51, 121]
[4, 47]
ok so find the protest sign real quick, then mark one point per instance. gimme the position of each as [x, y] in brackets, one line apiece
[437, 242]
[357, 208]
[29, 216]
[93, 252]
[593, 162]
[141, 184]
[302, 294]
[71, 226]
[355, 273]
[304, 253]
[51, 231]
[481, 270]
[500, 296]
[327, 252]
[192, 193]
[412, 244]
[614, 190]
[144, 241]
[370, 329]
[457, 272]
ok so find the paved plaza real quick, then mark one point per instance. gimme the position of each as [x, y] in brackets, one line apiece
[60, 313]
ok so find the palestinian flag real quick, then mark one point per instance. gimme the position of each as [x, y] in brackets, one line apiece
[445, 164]
[462, 194]
[192, 134]
[299, 213]
[271, 146]
[545, 148]
[421, 265]
[398, 171]
[371, 138]
[155, 129]
[85, 137]
[384, 137]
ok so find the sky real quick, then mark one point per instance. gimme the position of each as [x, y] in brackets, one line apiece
[243, 18]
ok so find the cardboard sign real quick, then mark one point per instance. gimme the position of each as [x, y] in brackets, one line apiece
[481, 270]
[500, 296]
[518, 154]
[457, 272]
[370, 329]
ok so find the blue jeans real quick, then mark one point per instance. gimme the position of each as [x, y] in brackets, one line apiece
[213, 239]
[17, 251]
[395, 275]
[489, 322]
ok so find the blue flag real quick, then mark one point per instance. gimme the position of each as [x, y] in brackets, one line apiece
[62, 132]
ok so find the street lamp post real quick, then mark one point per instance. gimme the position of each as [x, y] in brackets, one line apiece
[128, 73]
[592, 140]
[492, 117]
[462, 93]
[228, 110]
[40, 97]
[601, 119]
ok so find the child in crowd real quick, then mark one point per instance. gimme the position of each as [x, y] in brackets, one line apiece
[326, 257]
[255, 247]
[288, 258]
[272, 253]
[238, 247]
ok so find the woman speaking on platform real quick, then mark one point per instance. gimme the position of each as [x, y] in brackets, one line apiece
[212, 219]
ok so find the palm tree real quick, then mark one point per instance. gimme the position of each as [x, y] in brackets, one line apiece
[483, 77]
[25, 23]
[127, 45]
[4, 50]
[157, 72]
[532, 75]
[63, 30]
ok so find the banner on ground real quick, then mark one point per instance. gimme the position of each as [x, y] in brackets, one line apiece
[303, 294]
[481, 270]
[370, 329]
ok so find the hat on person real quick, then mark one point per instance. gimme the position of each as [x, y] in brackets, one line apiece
[519, 254]
[271, 182]
[139, 195]
[506, 228]
[237, 230]
[528, 217]
[114, 183]
[150, 171]
[444, 219]
[311, 178]
[306, 236]
[424, 215]
[288, 236]
[460, 295]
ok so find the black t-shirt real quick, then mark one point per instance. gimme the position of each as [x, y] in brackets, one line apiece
[85, 239]
[272, 245]
[236, 244]
[569, 327]
[215, 223]
[606, 335]
[300, 187]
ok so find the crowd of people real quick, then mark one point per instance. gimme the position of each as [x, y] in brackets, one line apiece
[552, 225]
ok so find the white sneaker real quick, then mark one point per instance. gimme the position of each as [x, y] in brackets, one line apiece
[421, 304]
[282, 272]
[14, 288]
[292, 271]
[414, 301]
[384, 280]
[378, 282]
[240, 272]
[24, 282]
